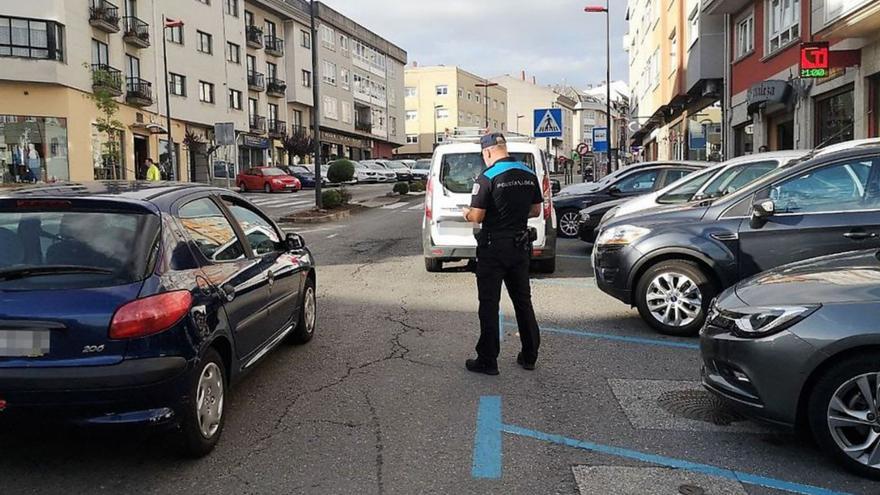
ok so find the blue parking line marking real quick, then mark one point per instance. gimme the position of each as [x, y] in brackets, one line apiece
[613, 337]
[750, 479]
[487, 439]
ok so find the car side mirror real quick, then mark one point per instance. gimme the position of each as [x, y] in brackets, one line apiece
[761, 212]
[555, 186]
[294, 242]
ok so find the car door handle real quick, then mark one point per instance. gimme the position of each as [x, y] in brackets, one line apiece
[860, 235]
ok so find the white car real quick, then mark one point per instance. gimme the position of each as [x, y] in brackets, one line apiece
[382, 172]
[446, 235]
[421, 169]
[364, 174]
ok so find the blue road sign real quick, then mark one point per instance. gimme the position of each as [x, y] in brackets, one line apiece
[600, 139]
[548, 123]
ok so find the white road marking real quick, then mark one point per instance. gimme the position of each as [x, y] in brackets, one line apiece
[331, 236]
[394, 206]
[416, 207]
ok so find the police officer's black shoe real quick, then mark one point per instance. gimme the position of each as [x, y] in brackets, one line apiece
[520, 360]
[477, 366]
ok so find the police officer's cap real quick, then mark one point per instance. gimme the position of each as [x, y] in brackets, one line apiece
[493, 139]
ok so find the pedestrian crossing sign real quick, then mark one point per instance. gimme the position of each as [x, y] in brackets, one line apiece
[548, 123]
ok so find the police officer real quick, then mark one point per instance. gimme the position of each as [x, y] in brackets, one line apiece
[504, 197]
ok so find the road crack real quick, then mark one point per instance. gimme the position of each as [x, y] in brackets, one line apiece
[380, 446]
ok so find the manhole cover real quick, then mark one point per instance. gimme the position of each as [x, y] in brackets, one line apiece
[699, 406]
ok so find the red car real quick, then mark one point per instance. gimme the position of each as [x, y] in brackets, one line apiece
[267, 179]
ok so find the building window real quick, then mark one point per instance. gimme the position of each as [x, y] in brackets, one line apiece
[442, 90]
[412, 139]
[328, 74]
[230, 7]
[273, 112]
[331, 110]
[346, 112]
[343, 42]
[305, 39]
[31, 39]
[410, 91]
[271, 29]
[835, 117]
[442, 113]
[783, 23]
[460, 93]
[693, 32]
[177, 83]
[328, 37]
[297, 118]
[235, 99]
[100, 55]
[233, 53]
[392, 122]
[306, 78]
[206, 43]
[412, 115]
[470, 96]
[174, 34]
[345, 76]
[206, 92]
[673, 51]
[745, 36]
[271, 71]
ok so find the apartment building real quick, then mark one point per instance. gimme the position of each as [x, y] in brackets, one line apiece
[438, 99]
[677, 78]
[768, 103]
[524, 97]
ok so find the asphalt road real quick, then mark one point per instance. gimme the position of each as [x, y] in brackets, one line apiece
[379, 402]
[280, 204]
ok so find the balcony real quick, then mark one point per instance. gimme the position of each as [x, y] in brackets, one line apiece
[254, 37]
[106, 78]
[257, 124]
[363, 126]
[274, 46]
[139, 92]
[104, 16]
[256, 81]
[135, 32]
[277, 128]
[276, 87]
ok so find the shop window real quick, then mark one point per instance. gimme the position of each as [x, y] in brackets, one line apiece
[107, 155]
[835, 118]
[33, 149]
[743, 137]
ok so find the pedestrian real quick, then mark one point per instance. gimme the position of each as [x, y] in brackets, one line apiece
[763, 149]
[153, 172]
[504, 197]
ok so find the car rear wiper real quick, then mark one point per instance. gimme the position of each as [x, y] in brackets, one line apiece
[36, 271]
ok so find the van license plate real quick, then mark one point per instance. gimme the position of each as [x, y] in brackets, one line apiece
[24, 343]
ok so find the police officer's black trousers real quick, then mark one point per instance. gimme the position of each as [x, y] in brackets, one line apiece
[505, 261]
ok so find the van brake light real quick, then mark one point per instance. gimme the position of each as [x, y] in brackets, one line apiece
[548, 198]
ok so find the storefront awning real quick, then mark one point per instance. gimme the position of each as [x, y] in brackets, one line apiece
[150, 127]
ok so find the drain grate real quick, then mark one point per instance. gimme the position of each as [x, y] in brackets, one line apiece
[698, 405]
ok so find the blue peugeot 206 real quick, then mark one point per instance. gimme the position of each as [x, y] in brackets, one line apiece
[133, 303]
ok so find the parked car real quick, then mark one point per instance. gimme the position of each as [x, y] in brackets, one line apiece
[446, 236]
[404, 174]
[421, 169]
[636, 180]
[139, 303]
[268, 180]
[671, 262]
[365, 174]
[382, 172]
[798, 345]
[305, 176]
[716, 181]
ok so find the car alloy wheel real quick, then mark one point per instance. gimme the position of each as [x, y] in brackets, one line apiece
[310, 310]
[209, 400]
[569, 223]
[674, 299]
[854, 419]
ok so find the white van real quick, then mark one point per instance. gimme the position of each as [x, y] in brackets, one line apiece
[446, 236]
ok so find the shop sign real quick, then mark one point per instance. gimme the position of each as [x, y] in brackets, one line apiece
[815, 59]
[341, 139]
[773, 91]
[249, 141]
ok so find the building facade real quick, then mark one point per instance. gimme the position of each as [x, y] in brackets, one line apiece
[524, 97]
[769, 104]
[440, 99]
[677, 79]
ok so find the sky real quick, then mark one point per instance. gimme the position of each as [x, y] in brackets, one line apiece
[551, 39]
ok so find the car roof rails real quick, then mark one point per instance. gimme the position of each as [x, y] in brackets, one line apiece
[473, 135]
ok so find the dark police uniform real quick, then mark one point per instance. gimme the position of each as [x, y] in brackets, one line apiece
[507, 190]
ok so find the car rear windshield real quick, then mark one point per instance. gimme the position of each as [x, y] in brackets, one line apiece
[67, 249]
[397, 165]
[458, 171]
[423, 165]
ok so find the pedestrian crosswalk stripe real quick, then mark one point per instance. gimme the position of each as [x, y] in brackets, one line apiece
[394, 206]
[416, 207]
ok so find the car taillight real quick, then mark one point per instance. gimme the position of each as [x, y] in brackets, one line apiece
[429, 201]
[150, 315]
[548, 198]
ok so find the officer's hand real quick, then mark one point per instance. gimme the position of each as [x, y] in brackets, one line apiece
[465, 212]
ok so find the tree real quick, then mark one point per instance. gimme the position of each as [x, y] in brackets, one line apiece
[107, 122]
[298, 143]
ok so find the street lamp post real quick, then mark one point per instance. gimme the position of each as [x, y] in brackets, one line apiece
[486, 85]
[599, 9]
[436, 107]
[166, 25]
[316, 114]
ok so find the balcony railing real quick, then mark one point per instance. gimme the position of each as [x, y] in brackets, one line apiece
[276, 87]
[139, 92]
[274, 45]
[254, 37]
[136, 32]
[277, 128]
[360, 125]
[104, 16]
[106, 78]
[256, 81]
[258, 124]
